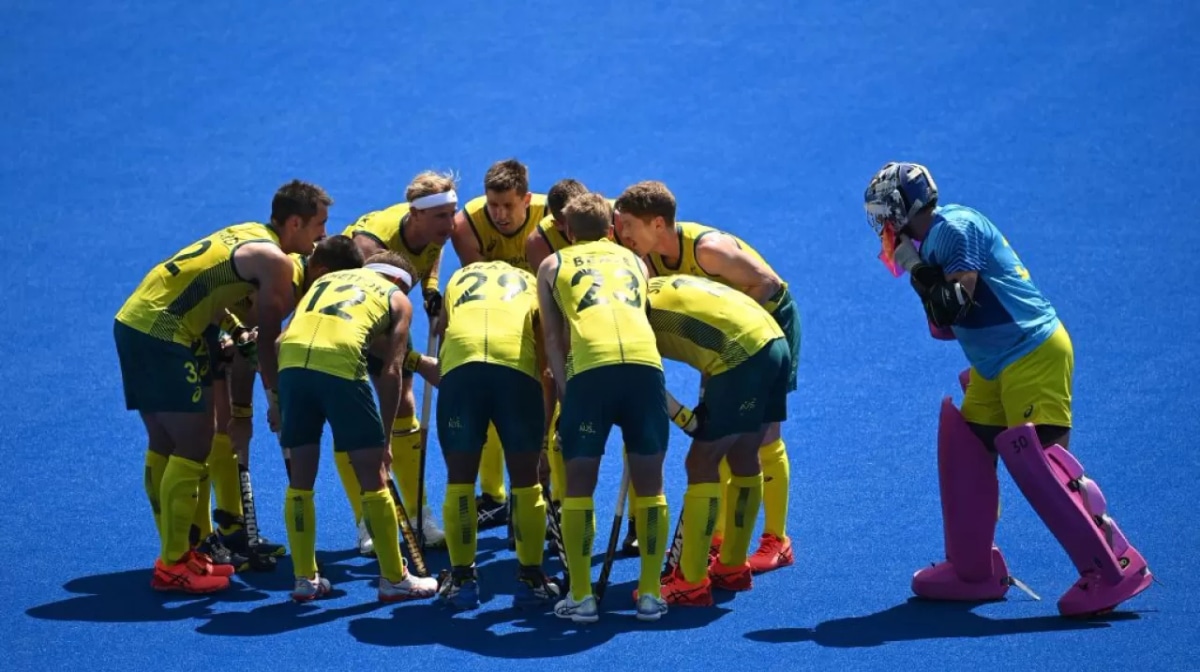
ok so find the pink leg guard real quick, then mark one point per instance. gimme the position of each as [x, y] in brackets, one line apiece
[1073, 508]
[964, 378]
[974, 570]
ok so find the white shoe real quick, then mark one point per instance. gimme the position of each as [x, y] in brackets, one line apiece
[435, 537]
[366, 546]
[650, 608]
[584, 611]
[411, 588]
[307, 590]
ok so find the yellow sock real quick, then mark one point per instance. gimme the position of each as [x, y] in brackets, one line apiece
[226, 483]
[202, 519]
[180, 481]
[406, 461]
[744, 494]
[491, 467]
[579, 532]
[719, 530]
[529, 524]
[776, 479]
[380, 513]
[700, 504]
[349, 482]
[300, 517]
[653, 528]
[156, 463]
[462, 523]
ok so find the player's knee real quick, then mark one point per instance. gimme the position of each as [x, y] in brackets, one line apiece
[986, 434]
[743, 457]
[1050, 435]
[522, 467]
[703, 461]
[462, 466]
[302, 474]
[646, 474]
[582, 473]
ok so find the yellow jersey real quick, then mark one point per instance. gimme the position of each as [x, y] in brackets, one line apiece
[506, 247]
[491, 307]
[386, 227]
[706, 324]
[335, 322]
[601, 290]
[557, 240]
[180, 297]
[243, 307]
[689, 234]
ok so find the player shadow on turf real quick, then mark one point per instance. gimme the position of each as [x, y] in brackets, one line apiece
[918, 619]
[526, 634]
[126, 597]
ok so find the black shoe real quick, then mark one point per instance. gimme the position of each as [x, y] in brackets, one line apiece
[222, 555]
[629, 547]
[491, 513]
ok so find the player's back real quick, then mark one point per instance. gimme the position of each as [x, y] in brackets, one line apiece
[706, 324]
[690, 234]
[335, 322]
[1011, 316]
[490, 307]
[601, 290]
[506, 247]
[557, 240]
[179, 298]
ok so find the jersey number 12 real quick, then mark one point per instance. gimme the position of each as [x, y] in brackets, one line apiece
[335, 309]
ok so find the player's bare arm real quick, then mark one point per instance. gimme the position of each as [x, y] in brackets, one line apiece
[268, 267]
[368, 245]
[390, 380]
[553, 324]
[536, 249]
[466, 244]
[965, 278]
[720, 256]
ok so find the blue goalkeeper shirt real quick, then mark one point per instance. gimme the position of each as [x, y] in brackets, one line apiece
[1011, 317]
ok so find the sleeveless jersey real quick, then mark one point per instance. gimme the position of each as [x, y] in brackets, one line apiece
[180, 297]
[689, 234]
[707, 325]
[335, 322]
[491, 307]
[506, 247]
[557, 240]
[601, 291]
[385, 227]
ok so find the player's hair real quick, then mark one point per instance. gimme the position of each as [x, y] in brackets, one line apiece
[395, 259]
[562, 192]
[647, 200]
[336, 253]
[507, 175]
[429, 183]
[588, 217]
[298, 198]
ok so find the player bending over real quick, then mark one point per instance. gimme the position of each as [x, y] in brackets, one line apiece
[1017, 402]
[494, 227]
[595, 291]
[156, 332]
[739, 348]
[648, 227]
[416, 229]
[489, 367]
[323, 378]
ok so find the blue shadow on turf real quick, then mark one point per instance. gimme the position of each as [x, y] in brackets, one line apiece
[919, 619]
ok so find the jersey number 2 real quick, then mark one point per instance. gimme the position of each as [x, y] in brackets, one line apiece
[336, 309]
[199, 249]
[592, 296]
[512, 283]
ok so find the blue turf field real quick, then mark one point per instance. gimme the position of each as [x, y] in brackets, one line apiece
[129, 129]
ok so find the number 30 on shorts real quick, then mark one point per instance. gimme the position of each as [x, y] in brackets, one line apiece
[193, 377]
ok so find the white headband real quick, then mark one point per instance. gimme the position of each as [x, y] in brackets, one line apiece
[392, 272]
[434, 200]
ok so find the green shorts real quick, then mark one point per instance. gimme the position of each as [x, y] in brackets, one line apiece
[472, 395]
[308, 398]
[787, 316]
[750, 395]
[631, 396]
[158, 376]
[208, 354]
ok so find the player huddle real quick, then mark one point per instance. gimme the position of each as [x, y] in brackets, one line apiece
[551, 333]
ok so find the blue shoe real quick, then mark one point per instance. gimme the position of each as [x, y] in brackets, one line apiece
[534, 590]
[461, 590]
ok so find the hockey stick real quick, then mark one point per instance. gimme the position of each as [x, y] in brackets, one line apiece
[410, 538]
[426, 405]
[676, 550]
[601, 585]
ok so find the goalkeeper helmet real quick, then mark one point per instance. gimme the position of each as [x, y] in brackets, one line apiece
[896, 193]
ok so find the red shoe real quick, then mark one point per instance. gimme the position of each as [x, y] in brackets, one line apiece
[678, 592]
[736, 578]
[183, 577]
[203, 564]
[772, 553]
[714, 551]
